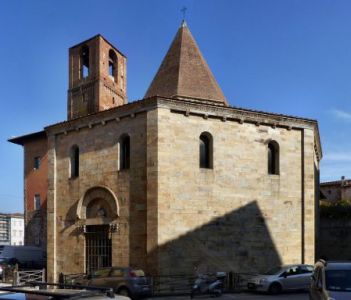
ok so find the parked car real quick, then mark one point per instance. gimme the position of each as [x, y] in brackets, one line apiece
[283, 278]
[331, 281]
[24, 256]
[56, 292]
[130, 282]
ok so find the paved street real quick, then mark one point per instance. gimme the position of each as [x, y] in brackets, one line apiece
[243, 296]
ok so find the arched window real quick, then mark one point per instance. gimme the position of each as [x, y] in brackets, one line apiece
[112, 65]
[124, 152]
[273, 158]
[205, 150]
[84, 64]
[74, 159]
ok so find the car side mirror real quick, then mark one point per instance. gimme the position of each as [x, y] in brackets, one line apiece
[285, 274]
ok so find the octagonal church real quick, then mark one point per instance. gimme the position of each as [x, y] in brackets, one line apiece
[174, 183]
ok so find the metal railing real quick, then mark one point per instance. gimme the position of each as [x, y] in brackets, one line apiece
[22, 277]
[181, 284]
[71, 278]
[174, 284]
[171, 284]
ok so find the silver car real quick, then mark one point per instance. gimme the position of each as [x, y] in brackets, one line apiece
[283, 278]
[126, 281]
[331, 281]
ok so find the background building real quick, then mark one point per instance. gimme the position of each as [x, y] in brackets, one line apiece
[334, 191]
[17, 229]
[5, 229]
[11, 229]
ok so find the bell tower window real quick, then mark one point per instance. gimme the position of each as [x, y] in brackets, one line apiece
[85, 63]
[112, 65]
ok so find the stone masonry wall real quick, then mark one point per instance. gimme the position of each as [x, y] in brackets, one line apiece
[98, 148]
[234, 216]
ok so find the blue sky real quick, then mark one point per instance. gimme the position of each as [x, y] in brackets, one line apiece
[291, 57]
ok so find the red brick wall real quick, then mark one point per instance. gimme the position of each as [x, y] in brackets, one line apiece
[98, 91]
[35, 182]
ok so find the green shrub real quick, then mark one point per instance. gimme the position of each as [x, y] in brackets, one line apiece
[338, 210]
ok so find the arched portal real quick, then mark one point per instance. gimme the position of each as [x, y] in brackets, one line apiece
[97, 212]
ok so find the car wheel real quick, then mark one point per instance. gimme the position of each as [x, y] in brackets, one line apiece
[275, 288]
[124, 292]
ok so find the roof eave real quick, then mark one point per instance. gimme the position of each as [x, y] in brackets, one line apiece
[21, 140]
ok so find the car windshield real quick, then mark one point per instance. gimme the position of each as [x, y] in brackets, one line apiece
[101, 273]
[338, 280]
[273, 271]
[139, 273]
[20, 296]
[3, 260]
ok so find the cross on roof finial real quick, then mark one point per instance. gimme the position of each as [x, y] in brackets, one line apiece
[183, 10]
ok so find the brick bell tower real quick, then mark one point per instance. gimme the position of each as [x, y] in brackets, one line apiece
[97, 77]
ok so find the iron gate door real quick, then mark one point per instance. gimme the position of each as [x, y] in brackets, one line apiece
[97, 247]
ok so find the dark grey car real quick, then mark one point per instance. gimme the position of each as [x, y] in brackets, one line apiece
[127, 281]
[331, 281]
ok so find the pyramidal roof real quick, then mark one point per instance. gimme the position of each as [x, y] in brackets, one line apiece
[184, 72]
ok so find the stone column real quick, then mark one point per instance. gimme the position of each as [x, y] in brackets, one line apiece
[51, 211]
[152, 191]
[309, 202]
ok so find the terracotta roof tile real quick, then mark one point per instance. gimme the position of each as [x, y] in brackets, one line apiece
[184, 72]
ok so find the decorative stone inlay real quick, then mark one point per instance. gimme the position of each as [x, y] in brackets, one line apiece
[98, 202]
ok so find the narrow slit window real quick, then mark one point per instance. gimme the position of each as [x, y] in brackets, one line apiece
[74, 162]
[37, 201]
[205, 151]
[36, 162]
[124, 159]
[273, 158]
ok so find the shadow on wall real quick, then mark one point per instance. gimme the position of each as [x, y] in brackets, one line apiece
[35, 229]
[335, 238]
[238, 241]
